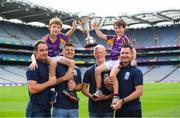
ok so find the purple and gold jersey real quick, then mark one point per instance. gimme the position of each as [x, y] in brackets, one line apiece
[54, 47]
[117, 44]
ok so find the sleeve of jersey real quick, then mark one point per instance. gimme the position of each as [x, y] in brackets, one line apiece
[31, 75]
[110, 39]
[86, 77]
[127, 41]
[44, 38]
[63, 38]
[138, 77]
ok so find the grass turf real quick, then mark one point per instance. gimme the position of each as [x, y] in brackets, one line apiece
[159, 100]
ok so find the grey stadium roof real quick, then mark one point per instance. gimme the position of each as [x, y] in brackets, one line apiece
[28, 12]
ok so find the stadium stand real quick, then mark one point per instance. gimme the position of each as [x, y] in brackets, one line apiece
[14, 32]
[146, 69]
[154, 36]
[77, 39]
[150, 56]
[157, 73]
[8, 75]
[158, 47]
[173, 76]
[33, 33]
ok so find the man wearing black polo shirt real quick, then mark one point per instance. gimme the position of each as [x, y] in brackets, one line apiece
[97, 107]
[130, 81]
[38, 83]
[64, 106]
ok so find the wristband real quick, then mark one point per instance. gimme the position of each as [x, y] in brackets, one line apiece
[123, 100]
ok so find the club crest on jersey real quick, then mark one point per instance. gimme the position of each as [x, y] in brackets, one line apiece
[127, 74]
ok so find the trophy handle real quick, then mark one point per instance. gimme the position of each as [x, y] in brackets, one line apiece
[84, 23]
[89, 41]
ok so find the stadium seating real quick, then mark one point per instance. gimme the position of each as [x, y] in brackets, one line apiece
[174, 77]
[148, 41]
[154, 36]
[8, 75]
[157, 73]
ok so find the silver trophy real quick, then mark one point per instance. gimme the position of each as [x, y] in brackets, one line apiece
[89, 41]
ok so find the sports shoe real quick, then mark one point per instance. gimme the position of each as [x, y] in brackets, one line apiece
[98, 93]
[53, 95]
[114, 100]
[71, 94]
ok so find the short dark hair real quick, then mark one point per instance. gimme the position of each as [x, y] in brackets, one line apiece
[68, 44]
[127, 46]
[120, 22]
[37, 43]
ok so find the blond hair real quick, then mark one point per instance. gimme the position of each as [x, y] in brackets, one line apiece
[99, 46]
[55, 20]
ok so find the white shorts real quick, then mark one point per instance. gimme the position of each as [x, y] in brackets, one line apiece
[56, 59]
[109, 64]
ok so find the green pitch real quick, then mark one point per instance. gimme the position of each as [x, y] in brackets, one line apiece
[159, 100]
